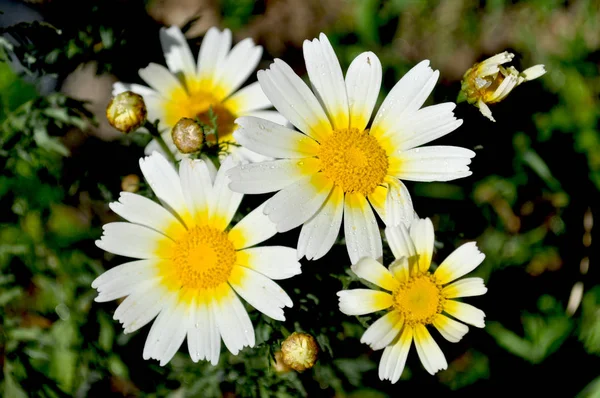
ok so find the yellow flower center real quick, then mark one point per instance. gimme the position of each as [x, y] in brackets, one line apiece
[353, 160]
[203, 258]
[197, 104]
[419, 299]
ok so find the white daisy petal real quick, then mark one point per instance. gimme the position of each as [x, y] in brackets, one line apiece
[203, 338]
[362, 234]
[400, 268]
[294, 100]
[212, 55]
[460, 262]
[430, 354]
[424, 126]
[451, 330]
[271, 139]
[177, 52]
[421, 233]
[254, 228]
[272, 175]
[398, 204]
[238, 65]
[373, 271]
[144, 91]
[160, 327]
[275, 262]
[272, 116]
[175, 334]
[196, 186]
[363, 81]
[297, 203]
[160, 79]
[400, 242]
[212, 169]
[434, 163]
[394, 357]
[326, 77]
[164, 181]
[141, 210]
[233, 321]
[141, 306]
[383, 331]
[465, 312]
[405, 98]
[248, 99]
[377, 199]
[260, 292]
[318, 234]
[363, 301]
[485, 110]
[133, 272]
[131, 240]
[226, 201]
[122, 280]
[467, 287]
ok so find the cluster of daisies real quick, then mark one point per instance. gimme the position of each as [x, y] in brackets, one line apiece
[191, 268]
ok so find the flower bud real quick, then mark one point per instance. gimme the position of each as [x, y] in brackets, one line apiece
[299, 351]
[187, 135]
[489, 82]
[130, 183]
[126, 112]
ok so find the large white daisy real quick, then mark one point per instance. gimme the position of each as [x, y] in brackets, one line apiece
[190, 89]
[416, 298]
[336, 165]
[190, 266]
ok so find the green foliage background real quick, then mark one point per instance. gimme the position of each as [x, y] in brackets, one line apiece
[530, 205]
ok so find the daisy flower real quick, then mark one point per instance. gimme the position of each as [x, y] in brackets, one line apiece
[337, 166]
[489, 82]
[189, 89]
[189, 266]
[417, 298]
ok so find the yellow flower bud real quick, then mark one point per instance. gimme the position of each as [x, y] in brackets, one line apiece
[187, 135]
[299, 351]
[130, 183]
[126, 112]
[489, 82]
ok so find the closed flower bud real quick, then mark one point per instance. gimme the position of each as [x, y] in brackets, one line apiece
[126, 112]
[489, 82]
[299, 351]
[130, 183]
[187, 136]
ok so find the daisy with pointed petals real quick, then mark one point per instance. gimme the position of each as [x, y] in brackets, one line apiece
[189, 266]
[416, 298]
[189, 89]
[337, 166]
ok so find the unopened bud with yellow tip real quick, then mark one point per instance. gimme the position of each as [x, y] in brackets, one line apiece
[299, 351]
[130, 183]
[126, 111]
[489, 82]
[187, 135]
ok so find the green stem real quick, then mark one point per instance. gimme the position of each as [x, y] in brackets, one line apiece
[153, 129]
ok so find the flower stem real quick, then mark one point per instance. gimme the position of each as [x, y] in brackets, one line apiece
[153, 129]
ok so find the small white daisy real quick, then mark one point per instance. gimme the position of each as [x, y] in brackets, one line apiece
[190, 89]
[336, 165]
[190, 265]
[417, 298]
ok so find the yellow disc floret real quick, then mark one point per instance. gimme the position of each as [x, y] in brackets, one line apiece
[419, 299]
[202, 259]
[353, 160]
